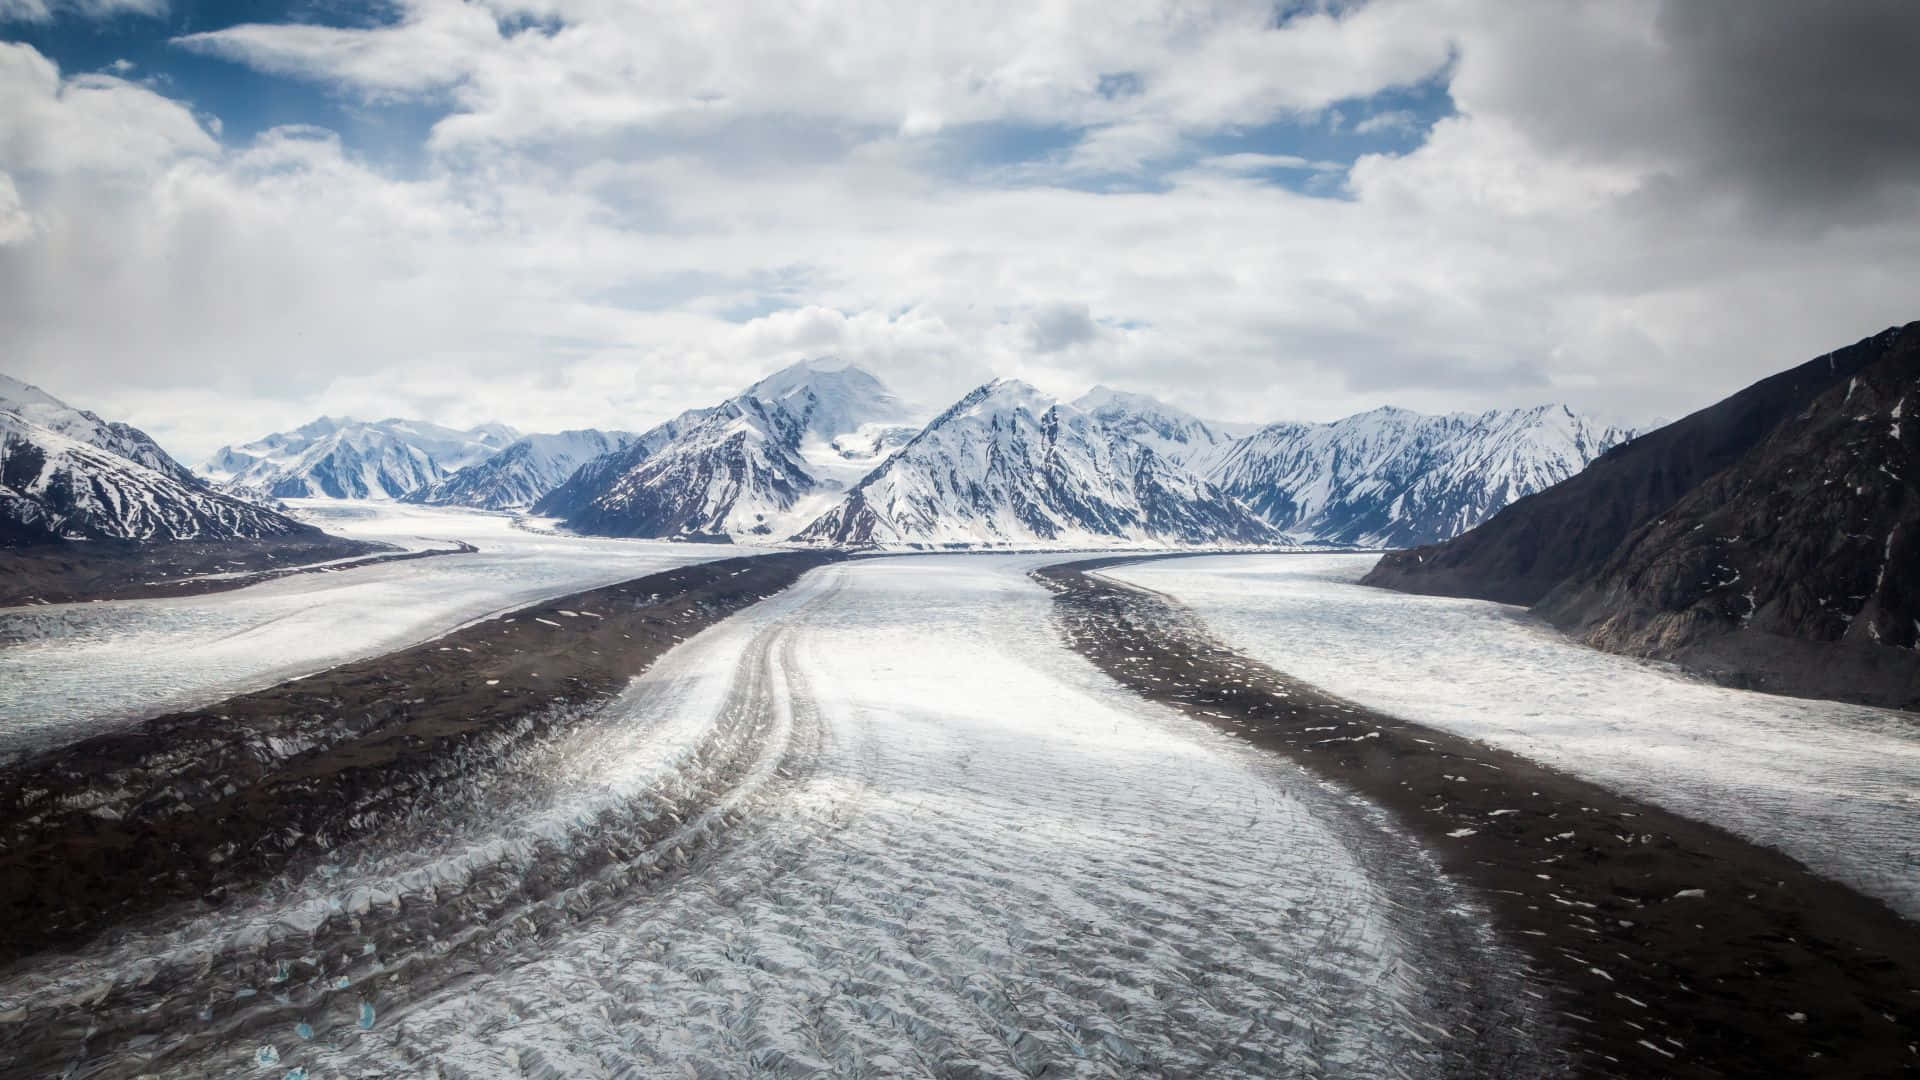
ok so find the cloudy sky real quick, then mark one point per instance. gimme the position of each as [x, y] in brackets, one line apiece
[219, 219]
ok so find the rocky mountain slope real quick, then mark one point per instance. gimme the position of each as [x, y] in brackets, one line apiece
[1008, 465]
[1392, 478]
[1768, 539]
[65, 474]
[518, 476]
[759, 465]
[36, 406]
[343, 458]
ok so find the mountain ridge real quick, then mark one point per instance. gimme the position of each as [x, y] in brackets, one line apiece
[344, 458]
[1751, 540]
[1007, 465]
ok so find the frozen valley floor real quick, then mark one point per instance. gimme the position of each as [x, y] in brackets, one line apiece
[882, 822]
[1675, 948]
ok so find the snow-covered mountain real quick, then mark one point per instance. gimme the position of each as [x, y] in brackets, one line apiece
[1009, 465]
[517, 477]
[36, 406]
[758, 465]
[343, 458]
[65, 474]
[1173, 434]
[1394, 478]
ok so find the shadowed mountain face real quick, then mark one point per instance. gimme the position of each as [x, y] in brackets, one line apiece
[1767, 540]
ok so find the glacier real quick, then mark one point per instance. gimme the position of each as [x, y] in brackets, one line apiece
[1836, 786]
[854, 869]
[68, 670]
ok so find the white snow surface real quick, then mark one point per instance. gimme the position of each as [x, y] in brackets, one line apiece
[1835, 786]
[976, 852]
[70, 670]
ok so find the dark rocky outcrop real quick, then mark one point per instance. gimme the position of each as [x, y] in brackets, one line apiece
[1769, 541]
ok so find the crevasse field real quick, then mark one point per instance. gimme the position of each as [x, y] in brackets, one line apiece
[69, 670]
[1835, 786]
[891, 777]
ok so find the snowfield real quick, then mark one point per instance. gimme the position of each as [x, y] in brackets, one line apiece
[68, 670]
[880, 823]
[1835, 786]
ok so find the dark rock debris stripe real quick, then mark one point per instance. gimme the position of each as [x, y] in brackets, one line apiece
[183, 809]
[117, 570]
[1676, 948]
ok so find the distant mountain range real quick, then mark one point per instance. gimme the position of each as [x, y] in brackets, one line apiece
[1393, 478]
[1770, 540]
[1008, 465]
[350, 459]
[516, 477]
[824, 453]
[66, 474]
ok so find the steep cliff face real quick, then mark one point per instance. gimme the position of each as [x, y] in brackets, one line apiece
[1796, 567]
[1772, 540]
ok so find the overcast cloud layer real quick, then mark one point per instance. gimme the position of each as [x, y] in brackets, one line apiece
[1634, 207]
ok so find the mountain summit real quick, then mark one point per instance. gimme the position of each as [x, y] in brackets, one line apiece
[759, 464]
[1009, 465]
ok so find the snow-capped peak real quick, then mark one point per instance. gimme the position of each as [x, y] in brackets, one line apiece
[344, 458]
[66, 474]
[759, 465]
[527, 469]
[37, 407]
[829, 397]
[1393, 477]
[1008, 464]
[16, 395]
[1173, 433]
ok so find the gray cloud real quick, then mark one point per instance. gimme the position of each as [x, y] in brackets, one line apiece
[1813, 107]
[1616, 214]
[1797, 108]
[1054, 327]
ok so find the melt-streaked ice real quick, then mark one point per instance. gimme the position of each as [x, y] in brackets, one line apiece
[1835, 786]
[67, 670]
[882, 824]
